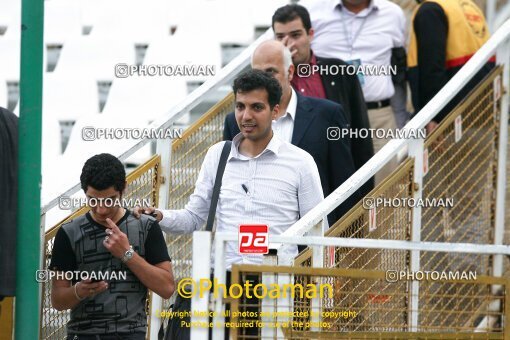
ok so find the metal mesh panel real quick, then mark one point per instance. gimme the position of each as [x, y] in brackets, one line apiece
[382, 313]
[187, 156]
[470, 302]
[462, 159]
[53, 322]
[390, 223]
[143, 183]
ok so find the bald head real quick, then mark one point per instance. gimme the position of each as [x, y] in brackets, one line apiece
[272, 49]
[273, 57]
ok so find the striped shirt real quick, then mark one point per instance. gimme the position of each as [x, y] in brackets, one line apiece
[282, 185]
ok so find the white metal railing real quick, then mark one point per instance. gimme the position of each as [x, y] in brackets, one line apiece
[223, 78]
[310, 222]
[499, 42]
[313, 222]
[201, 266]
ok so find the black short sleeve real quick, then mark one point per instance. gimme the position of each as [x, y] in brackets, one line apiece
[155, 245]
[62, 255]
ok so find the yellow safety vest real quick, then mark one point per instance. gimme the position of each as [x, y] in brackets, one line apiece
[467, 32]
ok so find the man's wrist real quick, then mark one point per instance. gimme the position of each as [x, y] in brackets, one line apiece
[75, 289]
[128, 254]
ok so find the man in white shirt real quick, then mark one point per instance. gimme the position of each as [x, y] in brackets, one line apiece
[363, 32]
[267, 180]
[306, 122]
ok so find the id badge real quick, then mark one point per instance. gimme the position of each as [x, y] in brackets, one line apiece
[357, 63]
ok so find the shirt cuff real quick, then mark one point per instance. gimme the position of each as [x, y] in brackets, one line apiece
[166, 221]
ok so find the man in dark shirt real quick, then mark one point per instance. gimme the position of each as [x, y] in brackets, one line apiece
[8, 201]
[108, 241]
[292, 26]
[444, 36]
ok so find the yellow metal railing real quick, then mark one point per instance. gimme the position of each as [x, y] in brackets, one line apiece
[461, 157]
[462, 160]
[187, 156]
[461, 165]
[143, 184]
[374, 308]
[188, 153]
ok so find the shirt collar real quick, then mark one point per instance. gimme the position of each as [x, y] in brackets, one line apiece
[313, 59]
[274, 146]
[292, 107]
[373, 5]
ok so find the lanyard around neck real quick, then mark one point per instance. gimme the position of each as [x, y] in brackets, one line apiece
[355, 37]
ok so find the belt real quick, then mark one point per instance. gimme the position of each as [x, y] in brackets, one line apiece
[378, 105]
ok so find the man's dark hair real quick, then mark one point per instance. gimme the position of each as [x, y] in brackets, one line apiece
[257, 79]
[291, 12]
[103, 171]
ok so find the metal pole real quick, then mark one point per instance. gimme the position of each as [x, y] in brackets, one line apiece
[268, 305]
[503, 57]
[28, 253]
[220, 275]
[201, 270]
[317, 262]
[164, 149]
[490, 15]
[416, 150]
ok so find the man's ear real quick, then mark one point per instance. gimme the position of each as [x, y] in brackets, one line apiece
[311, 33]
[275, 111]
[292, 68]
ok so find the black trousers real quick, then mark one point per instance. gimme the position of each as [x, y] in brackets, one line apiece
[248, 304]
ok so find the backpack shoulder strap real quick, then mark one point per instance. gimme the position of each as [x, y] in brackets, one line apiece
[217, 185]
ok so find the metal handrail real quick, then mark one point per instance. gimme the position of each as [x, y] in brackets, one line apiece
[366, 243]
[223, 77]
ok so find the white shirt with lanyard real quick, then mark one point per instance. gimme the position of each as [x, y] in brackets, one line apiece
[364, 38]
[276, 188]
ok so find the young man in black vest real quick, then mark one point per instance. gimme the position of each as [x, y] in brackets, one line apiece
[108, 240]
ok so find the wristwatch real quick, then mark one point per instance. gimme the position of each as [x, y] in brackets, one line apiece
[128, 254]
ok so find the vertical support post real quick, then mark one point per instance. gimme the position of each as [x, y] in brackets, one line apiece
[219, 275]
[416, 150]
[317, 262]
[503, 56]
[490, 14]
[164, 149]
[29, 233]
[200, 270]
[268, 304]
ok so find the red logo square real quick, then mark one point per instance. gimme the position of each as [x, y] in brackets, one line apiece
[253, 239]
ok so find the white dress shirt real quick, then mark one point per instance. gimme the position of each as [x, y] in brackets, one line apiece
[284, 126]
[368, 35]
[283, 185]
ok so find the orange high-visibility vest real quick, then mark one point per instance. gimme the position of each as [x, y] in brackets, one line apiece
[467, 32]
